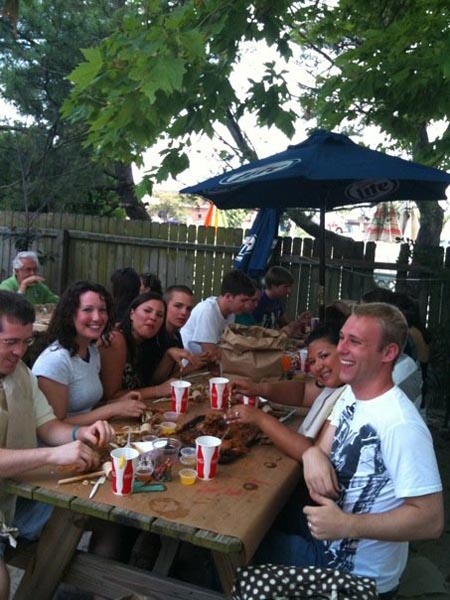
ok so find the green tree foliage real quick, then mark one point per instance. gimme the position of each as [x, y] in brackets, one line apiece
[385, 64]
[165, 73]
[43, 165]
[388, 64]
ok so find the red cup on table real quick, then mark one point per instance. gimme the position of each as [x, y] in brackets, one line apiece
[207, 453]
[250, 400]
[179, 396]
[219, 392]
[124, 462]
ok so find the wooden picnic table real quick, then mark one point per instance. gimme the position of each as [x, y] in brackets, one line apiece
[228, 516]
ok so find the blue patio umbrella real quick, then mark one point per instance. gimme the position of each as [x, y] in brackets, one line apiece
[259, 243]
[325, 171]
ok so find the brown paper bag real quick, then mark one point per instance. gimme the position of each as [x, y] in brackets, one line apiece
[254, 352]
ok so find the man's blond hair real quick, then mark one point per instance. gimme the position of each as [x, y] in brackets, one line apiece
[394, 328]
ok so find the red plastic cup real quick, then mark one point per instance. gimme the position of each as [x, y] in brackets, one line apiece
[250, 400]
[179, 396]
[123, 470]
[207, 452]
[219, 392]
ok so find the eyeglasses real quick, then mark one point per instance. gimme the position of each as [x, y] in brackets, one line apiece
[11, 342]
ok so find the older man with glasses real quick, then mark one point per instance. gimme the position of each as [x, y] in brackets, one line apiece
[24, 415]
[25, 280]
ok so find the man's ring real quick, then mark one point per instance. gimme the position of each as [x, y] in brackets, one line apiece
[309, 525]
[236, 413]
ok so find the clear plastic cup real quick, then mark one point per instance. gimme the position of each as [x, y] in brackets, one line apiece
[169, 447]
[188, 455]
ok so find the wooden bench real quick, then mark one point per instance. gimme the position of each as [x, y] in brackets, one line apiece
[115, 580]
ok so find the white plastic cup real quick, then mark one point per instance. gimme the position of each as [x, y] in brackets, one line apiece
[179, 396]
[219, 392]
[207, 451]
[124, 462]
[303, 355]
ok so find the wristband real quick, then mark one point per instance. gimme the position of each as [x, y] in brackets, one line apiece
[74, 432]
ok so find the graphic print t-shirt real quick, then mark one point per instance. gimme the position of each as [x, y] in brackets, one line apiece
[382, 453]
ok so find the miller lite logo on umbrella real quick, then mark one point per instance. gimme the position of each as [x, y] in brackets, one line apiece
[325, 171]
[370, 191]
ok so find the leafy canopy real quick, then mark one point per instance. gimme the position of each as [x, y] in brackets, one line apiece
[385, 64]
[43, 165]
[165, 73]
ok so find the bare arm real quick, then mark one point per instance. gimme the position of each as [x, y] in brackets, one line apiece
[319, 474]
[77, 454]
[287, 440]
[57, 394]
[297, 327]
[31, 280]
[212, 350]
[292, 393]
[418, 518]
[57, 433]
[171, 363]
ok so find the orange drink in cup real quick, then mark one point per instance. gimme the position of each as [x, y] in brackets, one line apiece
[208, 447]
[187, 476]
[219, 392]
[179, 396]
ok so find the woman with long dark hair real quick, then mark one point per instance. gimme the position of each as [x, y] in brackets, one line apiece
[68, 370]
[132, 359]
[319, 392]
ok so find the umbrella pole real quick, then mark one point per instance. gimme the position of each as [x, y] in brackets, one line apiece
[321, 295]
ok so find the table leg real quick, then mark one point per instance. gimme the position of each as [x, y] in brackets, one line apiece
[226, 565]
[166, 556]
[54, 552]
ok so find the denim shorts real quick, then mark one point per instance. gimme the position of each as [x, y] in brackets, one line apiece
[29, 518]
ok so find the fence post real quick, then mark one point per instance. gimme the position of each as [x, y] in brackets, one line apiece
[63, 240]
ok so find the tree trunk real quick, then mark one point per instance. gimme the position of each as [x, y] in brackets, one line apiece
[313, 229]
[426, 250]
[431, 222]
[134, 208]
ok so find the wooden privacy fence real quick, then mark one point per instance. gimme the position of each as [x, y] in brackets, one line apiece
[88, 247]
